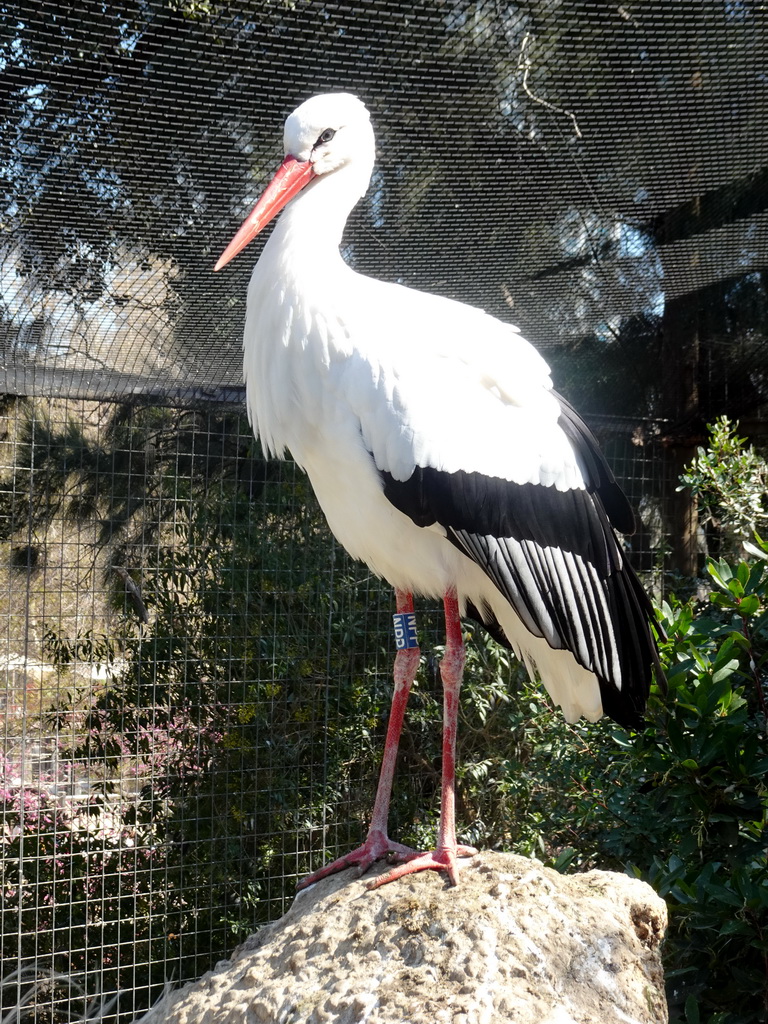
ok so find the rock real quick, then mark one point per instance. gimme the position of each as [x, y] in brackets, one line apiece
[513, 942]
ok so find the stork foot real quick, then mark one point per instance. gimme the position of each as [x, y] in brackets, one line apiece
[441, 859]
[377, 846]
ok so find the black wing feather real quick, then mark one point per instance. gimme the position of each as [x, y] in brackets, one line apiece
[599, 476]
[555, 557]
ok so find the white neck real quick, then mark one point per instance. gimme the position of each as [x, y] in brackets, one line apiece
[312, 224]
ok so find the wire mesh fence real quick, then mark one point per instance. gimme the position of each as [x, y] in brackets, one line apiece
[195, 677]
[195, 689]
[174, 637]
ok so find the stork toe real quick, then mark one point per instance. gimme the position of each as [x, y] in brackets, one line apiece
[377, 846]
[441, 859]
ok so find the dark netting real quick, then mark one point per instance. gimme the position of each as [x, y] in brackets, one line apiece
[196, 679]
[589, 170]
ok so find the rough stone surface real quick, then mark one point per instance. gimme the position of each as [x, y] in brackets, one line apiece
[514, 942]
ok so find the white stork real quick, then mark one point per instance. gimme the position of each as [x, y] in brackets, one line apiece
[441, 456]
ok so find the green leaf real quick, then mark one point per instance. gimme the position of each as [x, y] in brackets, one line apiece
[564, 859]
[742, 573]
[682, 893]
[755, 551]
[692, 1011]
[720, 572]
[749, 604]
[724, 895]
[725, 671]
[735, 926]
[699, 659]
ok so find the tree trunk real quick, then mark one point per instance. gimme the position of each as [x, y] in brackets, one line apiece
[680, 404]
[680, 371]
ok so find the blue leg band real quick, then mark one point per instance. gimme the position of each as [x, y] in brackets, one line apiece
[405, 630]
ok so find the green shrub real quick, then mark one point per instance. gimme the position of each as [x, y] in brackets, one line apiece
[682, 804]
[706, 760]
[730, 482]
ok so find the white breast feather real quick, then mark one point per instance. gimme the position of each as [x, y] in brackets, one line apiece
[426, 381]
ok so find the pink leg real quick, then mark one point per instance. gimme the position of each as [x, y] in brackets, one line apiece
[444, 858]
[377, 844]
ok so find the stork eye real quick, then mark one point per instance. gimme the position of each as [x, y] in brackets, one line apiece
[326, 136]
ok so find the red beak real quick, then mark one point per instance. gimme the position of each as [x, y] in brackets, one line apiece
[290, 179]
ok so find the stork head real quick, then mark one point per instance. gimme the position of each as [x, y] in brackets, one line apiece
[326, 135]
[329, 131]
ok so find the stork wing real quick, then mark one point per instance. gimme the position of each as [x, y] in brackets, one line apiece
[476, 442]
